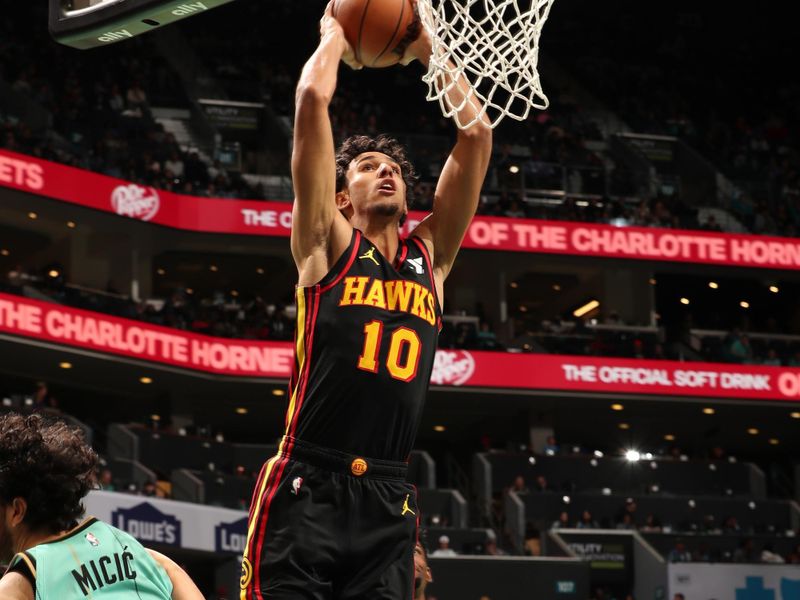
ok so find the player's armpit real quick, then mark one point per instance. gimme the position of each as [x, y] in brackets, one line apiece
[183, 588]
[15, 586]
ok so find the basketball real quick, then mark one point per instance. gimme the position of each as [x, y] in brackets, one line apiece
[378, 30]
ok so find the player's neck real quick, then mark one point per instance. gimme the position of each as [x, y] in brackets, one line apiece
[29, 539]
[385, 236]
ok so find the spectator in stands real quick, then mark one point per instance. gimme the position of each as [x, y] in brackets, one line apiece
[586, 521]
[43, 400]
[444, 548]
[768, 555]
[551, 446]
[678, 596]
[679, 553]
[746, 552]
[730, 525]
[627, 510]
[772, 358]
[532, 546]
[105, 481]
[626, 522]
[149, 489]
[652, 524]
[491, 548]
[541, 484]
[519, 486]
[562, 522]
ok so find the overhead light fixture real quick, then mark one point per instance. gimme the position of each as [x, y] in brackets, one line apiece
[189, 291]
[53, 273]
[632, 456]
[155, 417]
[624, 426]
[4, 252]
[774, 289]
[514, 284]
[278, 392]
[65, 365]
[795, 415]
[713, 285]
[669, 437]
[234, 293]
[774, 441]
[514, 169]
[260, 271]
[684, 301]
[708, 410]
[523, 308]
[213, 268]
[617, 407]
[33, 215]
[652, 281]
[241, 410]
[586, 308]
[160, 271]
[556, 287]
[752, 431]
[744, 304]
[71, 224]
[145, 380]
[439, 428]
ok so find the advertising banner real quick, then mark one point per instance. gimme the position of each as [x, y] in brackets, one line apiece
[702, 581]
[106, 334]
[252, 217]
[171, 523]
[610, 554]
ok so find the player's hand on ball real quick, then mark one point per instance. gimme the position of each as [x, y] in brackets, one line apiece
[329, 26]
[420, 48]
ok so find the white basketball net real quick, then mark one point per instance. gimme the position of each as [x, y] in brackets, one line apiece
[494, 46]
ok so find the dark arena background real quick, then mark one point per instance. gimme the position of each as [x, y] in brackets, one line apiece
[613, 412]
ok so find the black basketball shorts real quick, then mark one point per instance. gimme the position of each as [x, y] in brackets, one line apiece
[325, 525]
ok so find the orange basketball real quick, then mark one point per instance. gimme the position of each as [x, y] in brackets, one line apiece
[378, 30]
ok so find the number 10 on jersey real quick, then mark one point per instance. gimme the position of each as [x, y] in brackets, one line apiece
[401, 338]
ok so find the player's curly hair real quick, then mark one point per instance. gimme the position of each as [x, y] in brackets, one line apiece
[50, 465]
[358, 144]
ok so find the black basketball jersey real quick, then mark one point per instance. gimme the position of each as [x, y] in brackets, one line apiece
[364, 349]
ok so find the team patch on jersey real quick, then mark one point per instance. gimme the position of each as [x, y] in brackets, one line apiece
[398, 295]
[416, 263]
[247, 574]
[90, 537]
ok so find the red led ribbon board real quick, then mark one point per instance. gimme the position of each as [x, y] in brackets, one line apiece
[252, 217]
[452, 368]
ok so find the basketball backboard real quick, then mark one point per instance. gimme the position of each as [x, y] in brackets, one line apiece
[90, 23]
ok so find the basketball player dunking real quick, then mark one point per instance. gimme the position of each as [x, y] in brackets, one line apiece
[332, 516]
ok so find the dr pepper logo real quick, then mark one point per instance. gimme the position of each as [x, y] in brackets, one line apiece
[452, 367]
[135, 201]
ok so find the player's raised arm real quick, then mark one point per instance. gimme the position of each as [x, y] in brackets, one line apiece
[458, 191]
[313, 156]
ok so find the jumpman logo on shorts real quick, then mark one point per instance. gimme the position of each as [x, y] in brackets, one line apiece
[406, 508]
[370, 254]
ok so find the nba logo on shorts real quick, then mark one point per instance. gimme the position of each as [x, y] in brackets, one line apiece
[296, 483]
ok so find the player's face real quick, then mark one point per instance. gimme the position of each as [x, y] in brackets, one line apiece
[375, 185]
[422, 572]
